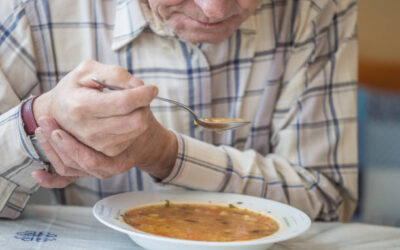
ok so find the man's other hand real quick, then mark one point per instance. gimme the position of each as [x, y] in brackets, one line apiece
[72, 159]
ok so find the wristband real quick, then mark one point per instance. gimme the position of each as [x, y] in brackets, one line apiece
[28, 117]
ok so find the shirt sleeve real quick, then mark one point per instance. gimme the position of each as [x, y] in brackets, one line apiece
[313, 161]
[18, 157]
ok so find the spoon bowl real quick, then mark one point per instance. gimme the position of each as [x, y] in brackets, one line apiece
[217, 124]
[221, 124]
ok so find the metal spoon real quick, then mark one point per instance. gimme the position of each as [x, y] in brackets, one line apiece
[218, 124]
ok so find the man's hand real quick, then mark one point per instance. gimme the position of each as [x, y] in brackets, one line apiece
[107, 122]
[72, 159]
[87, 132]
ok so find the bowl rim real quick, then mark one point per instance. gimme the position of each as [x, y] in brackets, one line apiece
[148, 236]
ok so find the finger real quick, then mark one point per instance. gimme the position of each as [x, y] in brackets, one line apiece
[132, 82]
[48, 180]
[60, 161]
[122, 102]
[115, 150]
[58, 164]
[90, 161]
[112, 75]
[47, 125]
[115, 76]
[129, 125]
[113, 135]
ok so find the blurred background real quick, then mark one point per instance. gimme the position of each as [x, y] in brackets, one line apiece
[379, 111]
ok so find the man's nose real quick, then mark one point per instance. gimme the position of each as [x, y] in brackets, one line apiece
[216, 9]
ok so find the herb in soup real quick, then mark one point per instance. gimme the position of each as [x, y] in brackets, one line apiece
[201, 222]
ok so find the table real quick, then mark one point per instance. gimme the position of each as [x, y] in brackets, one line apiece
[69, 228]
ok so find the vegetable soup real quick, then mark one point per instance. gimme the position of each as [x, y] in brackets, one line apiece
[201, 222]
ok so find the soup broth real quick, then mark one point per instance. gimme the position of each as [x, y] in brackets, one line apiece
[201, 222]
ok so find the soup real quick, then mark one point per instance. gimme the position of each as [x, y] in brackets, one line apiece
[201, 222]
[223, 120]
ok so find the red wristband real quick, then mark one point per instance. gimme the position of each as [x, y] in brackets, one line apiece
[28, 118]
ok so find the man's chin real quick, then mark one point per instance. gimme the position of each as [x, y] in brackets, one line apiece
[195, 31]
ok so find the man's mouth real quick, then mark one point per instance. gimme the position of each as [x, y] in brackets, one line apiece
[209, 24]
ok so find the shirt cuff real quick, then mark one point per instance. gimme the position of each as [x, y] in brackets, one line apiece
[18, 159]
[24, 138]
[18, 154]
[199, 166]
[29, 142]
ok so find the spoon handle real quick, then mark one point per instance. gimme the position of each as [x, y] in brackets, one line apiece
[180, 105]
[157, 97]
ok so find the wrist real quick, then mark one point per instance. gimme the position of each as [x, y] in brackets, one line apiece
[171, 156]
[167, 157]
[28, 116]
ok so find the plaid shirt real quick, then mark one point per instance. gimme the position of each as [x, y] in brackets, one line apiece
[291, 69]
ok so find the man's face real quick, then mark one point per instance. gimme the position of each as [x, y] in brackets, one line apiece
[208, 21]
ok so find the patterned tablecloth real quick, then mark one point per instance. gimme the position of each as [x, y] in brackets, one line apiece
[69, 228]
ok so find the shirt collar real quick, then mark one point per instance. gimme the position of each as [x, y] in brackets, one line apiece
[129, 23]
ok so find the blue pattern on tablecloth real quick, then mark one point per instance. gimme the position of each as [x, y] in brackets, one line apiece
[35, 236]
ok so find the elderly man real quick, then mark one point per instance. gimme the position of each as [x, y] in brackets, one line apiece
[287, 66]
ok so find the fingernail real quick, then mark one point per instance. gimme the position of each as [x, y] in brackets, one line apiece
[135, 82]
[44, 124]
[155, 91]
[36, 177]
[57, 137]
[132, 81]
[39, 135]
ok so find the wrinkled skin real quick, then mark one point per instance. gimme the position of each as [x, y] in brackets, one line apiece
[100, 134]
[200, 21]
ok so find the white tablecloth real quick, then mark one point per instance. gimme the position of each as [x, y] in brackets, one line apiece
[66, 227]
